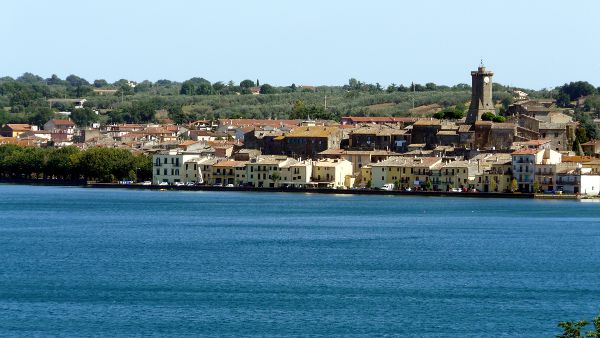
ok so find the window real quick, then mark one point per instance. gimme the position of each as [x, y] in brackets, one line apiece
[157, 171]
[165, 171]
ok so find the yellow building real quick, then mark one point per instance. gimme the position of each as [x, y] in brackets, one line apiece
[229, 172]
[331, 173]
[265, 171]
[392, 170]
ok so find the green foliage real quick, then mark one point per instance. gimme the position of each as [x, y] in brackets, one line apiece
[267, 89]
[577, 89]
[456, 113]
[498, 119]
[536, 186]
[488, 116]
[84, 117]
[514, 185]
[99, 164]
[592, 103]
[572, 329]
[586, 122]
[247, 84]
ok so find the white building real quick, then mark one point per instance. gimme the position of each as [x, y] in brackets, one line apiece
[176, 166]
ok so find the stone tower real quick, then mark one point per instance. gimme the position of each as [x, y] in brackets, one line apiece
[481, 94]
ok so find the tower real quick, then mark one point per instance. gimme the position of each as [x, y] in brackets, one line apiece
[481, 94]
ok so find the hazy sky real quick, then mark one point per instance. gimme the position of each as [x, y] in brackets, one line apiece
[533, 44]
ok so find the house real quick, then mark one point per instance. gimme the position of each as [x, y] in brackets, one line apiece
[358, 158]
[457, 174]
[307, 142]
[264, 171]
[177, 166]
[229, 172]
[60, 125]
[525, 161]
[578, 181]
[332, 173]
[496, 174]
[378, 136]
[15, 129]
[591, 148]
[388, 171]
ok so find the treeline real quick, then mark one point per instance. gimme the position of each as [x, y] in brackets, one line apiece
[24, 99]
[71, 163]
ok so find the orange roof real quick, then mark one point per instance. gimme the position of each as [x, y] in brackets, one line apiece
[537, 142]
[526, 151]
[371, 119]
[19, 126]
[577, 159]
[229, 164]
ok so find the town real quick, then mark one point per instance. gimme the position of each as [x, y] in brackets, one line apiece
[532, 148]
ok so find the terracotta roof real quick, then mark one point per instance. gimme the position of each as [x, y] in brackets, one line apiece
[19, 126]
[230, 164]
[536, 142]
[591, 143]
[312, 132]
[526, 151]
[380, 119]
[432, 122]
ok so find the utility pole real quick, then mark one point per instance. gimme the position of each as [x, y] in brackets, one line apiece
[325, 102]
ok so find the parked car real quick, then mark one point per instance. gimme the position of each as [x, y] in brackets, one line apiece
[190, 184]
[456, 190]
[388, 186]
[229, 185]
[163, 183]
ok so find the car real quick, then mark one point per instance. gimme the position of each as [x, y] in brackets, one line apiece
[178, 184]
[190, 184]
[146, 183]
[163, 183]
[388, 187]
[229, 185]
[408, 189]
[456, 190]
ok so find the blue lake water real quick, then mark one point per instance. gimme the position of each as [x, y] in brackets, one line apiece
[106, 262]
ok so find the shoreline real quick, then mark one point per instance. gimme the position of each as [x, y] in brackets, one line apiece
[84, 184]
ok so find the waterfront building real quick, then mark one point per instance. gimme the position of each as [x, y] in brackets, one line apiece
[229, 172]
[264, 171]
[526, 160]
[358, 158]
[332, 173]
[390, 171]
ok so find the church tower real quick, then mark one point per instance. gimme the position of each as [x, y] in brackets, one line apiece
[481, 94]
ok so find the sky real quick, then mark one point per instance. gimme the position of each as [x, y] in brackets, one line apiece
[532, 44]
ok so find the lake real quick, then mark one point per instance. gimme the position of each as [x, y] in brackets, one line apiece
[106, 262]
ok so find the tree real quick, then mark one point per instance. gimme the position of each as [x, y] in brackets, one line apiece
[76, 81]
[493, 185]
[84, 117]
[298, 110]
[430, 86]
[100, 83]
[572, 329]
[488, 116]
[499, 119]
[514, 185]
[275, 177]
[577, 89]
[247, 84]
[536, 186]
[267, 89]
